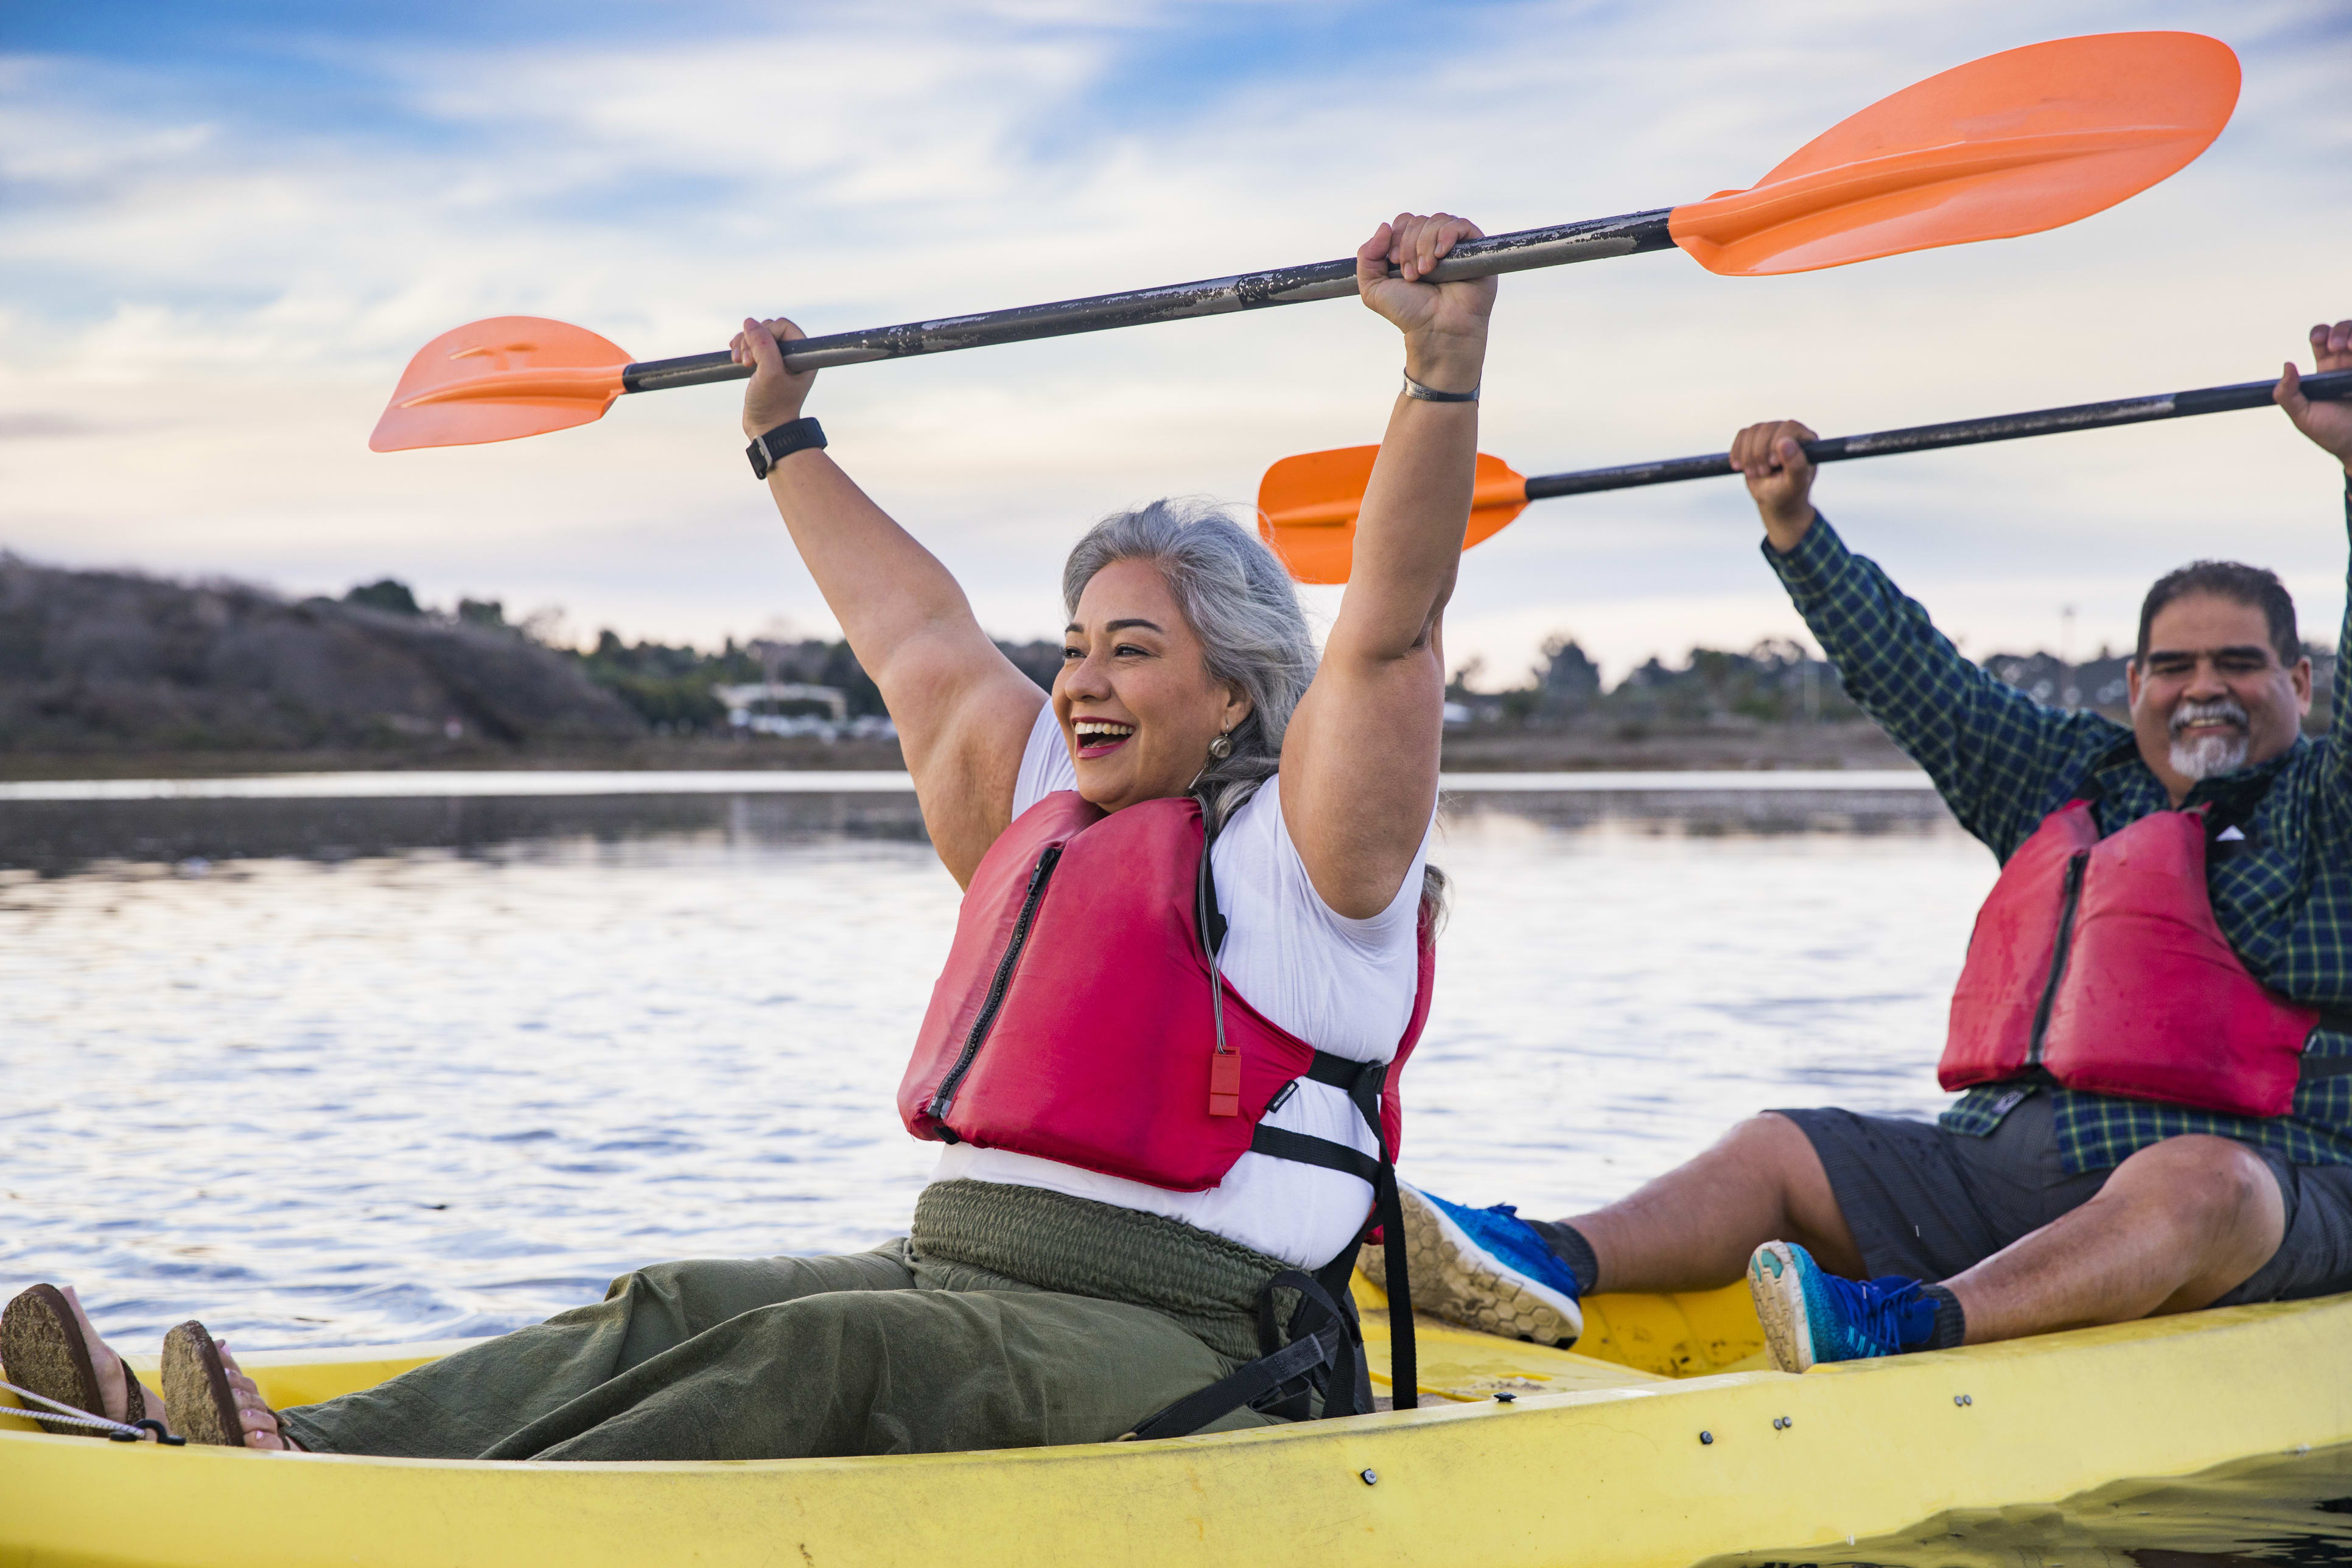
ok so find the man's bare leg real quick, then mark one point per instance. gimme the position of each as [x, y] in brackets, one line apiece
[1695, 1227]
[2180, 1225]
[2177, 1226]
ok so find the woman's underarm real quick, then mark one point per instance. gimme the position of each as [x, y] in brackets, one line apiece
[962, 710]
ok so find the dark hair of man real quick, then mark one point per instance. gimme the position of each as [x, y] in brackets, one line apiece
[2250, 585]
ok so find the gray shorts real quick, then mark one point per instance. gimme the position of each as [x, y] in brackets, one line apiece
[1928, 1203]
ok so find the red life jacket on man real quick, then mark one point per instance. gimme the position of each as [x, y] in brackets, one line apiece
[1076, 1019]
[2099, 962]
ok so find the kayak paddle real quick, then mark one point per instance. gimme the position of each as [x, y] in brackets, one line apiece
[1308, 502]
[2012, 144]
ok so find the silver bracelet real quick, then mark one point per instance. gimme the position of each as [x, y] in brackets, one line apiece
[1430, 395]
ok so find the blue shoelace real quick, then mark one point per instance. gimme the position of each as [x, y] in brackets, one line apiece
[1499, 1229]
[1889, 1315]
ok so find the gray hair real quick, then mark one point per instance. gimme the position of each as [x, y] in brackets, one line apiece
[1243, 607]
[1240, 602]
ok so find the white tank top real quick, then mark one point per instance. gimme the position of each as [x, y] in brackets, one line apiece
[1343, 985]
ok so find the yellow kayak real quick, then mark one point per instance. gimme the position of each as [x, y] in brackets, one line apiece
[1661, 1440]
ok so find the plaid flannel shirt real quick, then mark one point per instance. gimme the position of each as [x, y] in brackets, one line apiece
[2002, 761]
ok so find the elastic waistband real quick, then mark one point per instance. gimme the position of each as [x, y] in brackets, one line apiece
[1082, 1247]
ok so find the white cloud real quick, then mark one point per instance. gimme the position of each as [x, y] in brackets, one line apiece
[221, 304]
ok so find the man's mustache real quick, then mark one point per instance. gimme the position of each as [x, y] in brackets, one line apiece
[2227, 709]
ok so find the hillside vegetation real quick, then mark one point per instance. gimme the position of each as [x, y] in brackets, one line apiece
[108, 661]
[97, 665]
[105, 670]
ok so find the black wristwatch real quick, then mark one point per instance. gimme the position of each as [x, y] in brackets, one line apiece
[780, 443]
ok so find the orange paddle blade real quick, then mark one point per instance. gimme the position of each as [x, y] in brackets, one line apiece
[2013, 143]
[499, 379]
[1307, 506]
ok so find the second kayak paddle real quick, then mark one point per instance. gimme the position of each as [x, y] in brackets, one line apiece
[1308, 502]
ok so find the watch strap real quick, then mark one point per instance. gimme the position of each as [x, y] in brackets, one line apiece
[773, 447]
[1418, 392]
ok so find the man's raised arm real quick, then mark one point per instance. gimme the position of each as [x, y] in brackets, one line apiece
[2329, 426]
[2001, 760]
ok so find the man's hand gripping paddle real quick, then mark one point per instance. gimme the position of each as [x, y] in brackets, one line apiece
[1308, 502]
[2013, 143]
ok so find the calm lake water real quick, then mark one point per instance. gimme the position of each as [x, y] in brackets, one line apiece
[339, 1071]
[335, 1071]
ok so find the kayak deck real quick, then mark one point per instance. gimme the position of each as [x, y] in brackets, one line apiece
[1590, 1461]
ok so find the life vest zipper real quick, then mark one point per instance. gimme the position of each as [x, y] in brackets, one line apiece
[2070, 899]
[997, 985]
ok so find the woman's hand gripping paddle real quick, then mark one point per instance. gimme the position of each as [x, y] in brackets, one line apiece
[1307, 503]
[2010, 144]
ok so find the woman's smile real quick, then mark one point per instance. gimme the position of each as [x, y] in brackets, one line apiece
[1099, 737]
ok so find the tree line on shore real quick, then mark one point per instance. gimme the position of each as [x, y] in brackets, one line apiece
[97, 661]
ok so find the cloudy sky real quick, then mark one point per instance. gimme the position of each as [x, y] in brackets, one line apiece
[225, 226]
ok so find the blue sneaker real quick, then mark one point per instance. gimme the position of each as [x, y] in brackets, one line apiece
[1485, 1268]
[1811, 1317]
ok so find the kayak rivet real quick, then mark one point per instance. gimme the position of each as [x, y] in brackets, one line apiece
[1506, 1398]
[1372, 1477]
[1962, 1399]
[1706, 1437]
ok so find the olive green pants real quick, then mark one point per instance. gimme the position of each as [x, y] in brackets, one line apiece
[888, 1351]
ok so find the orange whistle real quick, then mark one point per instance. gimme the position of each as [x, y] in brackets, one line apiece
[1226, 1084]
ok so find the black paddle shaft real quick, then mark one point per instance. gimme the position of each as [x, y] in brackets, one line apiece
[1590, 240]
[2336, 384]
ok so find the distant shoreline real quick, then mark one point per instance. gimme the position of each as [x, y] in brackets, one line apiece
[1477, 748]
[539, 784]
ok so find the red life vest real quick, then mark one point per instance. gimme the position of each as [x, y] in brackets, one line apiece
[1076, 1020]
[2099, 962]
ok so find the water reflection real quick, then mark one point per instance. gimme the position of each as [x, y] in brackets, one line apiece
[2289, 1509]
[60, 837]
[331, 1072]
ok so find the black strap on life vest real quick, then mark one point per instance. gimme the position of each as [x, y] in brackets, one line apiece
[2332, 1021]
[1326, 1341]
[1362, 1083]
[1325, 1353]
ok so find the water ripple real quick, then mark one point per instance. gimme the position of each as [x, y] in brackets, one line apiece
[457, 1080]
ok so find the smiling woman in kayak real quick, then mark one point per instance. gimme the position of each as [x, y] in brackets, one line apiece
[1155, 1058]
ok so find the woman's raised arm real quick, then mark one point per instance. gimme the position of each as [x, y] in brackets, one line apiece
[1358, 775]
[962, 710]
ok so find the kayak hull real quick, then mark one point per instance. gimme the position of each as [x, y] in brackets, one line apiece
[1589, 1462]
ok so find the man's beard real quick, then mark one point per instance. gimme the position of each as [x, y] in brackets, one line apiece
[2205, 756]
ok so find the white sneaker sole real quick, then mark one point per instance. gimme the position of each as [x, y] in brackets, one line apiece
[1453, 1278]
[1780, 1293]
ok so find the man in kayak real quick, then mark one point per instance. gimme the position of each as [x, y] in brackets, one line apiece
[1195, 946]
[2152, 1029]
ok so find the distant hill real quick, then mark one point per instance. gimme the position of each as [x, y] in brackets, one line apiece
[94, 661]
[123, 665]
[116, 668]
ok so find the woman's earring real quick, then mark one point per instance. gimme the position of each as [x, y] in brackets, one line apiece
[1222, 747]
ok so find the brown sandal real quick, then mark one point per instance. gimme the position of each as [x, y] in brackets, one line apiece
[43, 1347]
[196, 1390]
